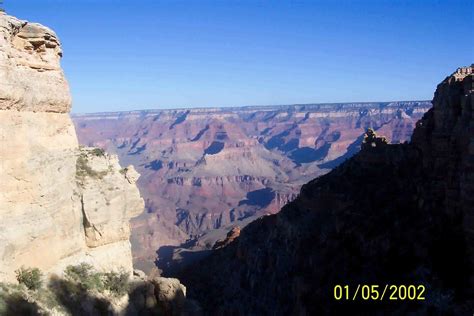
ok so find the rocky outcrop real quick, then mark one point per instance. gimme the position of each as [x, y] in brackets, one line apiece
[204, 169]
[109, 198]
[231, 236]
[392, 214]
[445, 137]
[159, 296]
[59, 204]
[31, 78]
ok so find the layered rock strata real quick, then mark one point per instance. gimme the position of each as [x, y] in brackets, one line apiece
[31, 78]
[59, 204]
[204, 169]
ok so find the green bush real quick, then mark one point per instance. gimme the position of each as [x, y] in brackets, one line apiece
[116, 282]
[83, 169]
[85, 276]
[98, 152]
[30, 277]
[17, 303]
[76, 293]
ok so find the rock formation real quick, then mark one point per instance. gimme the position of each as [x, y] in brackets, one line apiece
[31, 78]
[59, 204]
[392, 214]
[204, 169]
[231, 236]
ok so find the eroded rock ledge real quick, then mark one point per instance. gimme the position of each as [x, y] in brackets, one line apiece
[31, 78]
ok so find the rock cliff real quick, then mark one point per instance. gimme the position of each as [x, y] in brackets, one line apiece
[31, 78]
[392, 214]
[204, 169]
[59, 204]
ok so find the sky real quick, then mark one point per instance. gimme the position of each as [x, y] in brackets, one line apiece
[131, 55]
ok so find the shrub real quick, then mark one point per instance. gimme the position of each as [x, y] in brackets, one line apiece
[17, 303]
[85, 276]
[116, 282]
[30, 277]
[83, 169]
[73, 297]
[98, 152]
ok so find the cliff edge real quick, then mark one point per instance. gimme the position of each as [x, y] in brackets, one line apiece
[392, 214]
[59, 204]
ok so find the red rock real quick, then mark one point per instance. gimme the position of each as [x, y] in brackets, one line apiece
[267, 154]
[233, 234]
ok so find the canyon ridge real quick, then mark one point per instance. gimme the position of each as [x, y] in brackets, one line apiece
[391, 214]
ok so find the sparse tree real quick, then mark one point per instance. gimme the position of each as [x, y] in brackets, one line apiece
[117, 282]
[30, 277]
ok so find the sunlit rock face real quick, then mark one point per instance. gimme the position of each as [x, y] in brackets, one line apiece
[31, 78]
[203, 169]
[59, 204]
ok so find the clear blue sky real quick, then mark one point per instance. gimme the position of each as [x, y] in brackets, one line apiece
[124, 55]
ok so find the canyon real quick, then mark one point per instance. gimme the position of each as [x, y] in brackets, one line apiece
[391, 214]
[207, 170]
[259, 210]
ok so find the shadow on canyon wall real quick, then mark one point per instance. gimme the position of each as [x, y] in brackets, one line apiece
[172, 259]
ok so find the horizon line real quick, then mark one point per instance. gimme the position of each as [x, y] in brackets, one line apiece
[241, 107]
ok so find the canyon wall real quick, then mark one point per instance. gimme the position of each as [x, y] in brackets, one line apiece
[394, 214]
[59, 204]
[203, 169]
